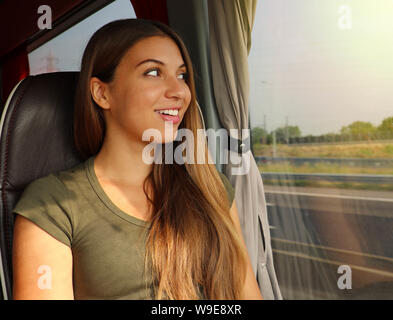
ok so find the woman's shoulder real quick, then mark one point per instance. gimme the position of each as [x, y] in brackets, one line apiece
[49, 184]
[48, 201]
[45, 202]
[55, 183]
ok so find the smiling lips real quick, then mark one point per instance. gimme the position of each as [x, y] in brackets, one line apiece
[169, 114]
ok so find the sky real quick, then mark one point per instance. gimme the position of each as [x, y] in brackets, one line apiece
[317, 64]
[321, 64]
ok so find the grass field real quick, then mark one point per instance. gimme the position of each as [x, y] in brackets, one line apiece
[322, 168]
[359, 150]
[366, 150]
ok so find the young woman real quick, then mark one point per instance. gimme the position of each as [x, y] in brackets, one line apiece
[116, 227]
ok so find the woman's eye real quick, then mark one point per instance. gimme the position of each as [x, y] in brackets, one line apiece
[153, 73]
[183, 76]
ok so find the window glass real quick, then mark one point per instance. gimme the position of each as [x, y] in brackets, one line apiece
[64, 52]
[321, 115]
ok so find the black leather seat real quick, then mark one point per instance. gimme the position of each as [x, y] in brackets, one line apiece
[36, 139]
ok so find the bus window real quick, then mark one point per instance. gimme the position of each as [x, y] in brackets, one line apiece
[64, 52]
[322, 134]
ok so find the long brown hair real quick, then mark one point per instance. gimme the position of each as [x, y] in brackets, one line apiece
[192, 246]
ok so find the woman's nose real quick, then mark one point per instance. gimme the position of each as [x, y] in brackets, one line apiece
[176, 88]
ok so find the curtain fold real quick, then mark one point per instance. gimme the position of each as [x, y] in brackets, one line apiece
[151, 10]
[15, 67]
[230, 26]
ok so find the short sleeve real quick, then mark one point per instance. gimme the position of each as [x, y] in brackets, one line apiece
[44, 202]
[228, 187]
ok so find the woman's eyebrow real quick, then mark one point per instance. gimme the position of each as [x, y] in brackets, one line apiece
[150, 60]
[156, 61]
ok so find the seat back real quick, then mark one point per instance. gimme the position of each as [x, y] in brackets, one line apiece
[36, 139]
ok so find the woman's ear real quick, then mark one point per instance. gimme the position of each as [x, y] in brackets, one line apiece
[100, 92]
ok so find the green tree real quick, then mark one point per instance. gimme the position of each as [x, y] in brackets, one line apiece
[258, 135]
[359, 130]
[386, 128]
[284, 133]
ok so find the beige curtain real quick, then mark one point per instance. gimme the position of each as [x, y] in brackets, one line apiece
[230, 26]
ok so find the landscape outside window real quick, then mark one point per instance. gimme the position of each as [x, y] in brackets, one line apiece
[321, 114]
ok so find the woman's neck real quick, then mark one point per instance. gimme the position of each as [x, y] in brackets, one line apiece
[120, 161]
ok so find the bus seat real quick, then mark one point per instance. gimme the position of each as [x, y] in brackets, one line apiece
[36, 139]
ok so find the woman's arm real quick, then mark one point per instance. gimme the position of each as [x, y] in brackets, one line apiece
[42, 265]
[250, 290]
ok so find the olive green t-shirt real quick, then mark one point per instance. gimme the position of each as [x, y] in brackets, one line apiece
[107, 243]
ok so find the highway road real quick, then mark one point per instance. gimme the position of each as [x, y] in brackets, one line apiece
[314, 231]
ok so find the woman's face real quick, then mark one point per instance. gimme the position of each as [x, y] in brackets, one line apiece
[149, 81]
